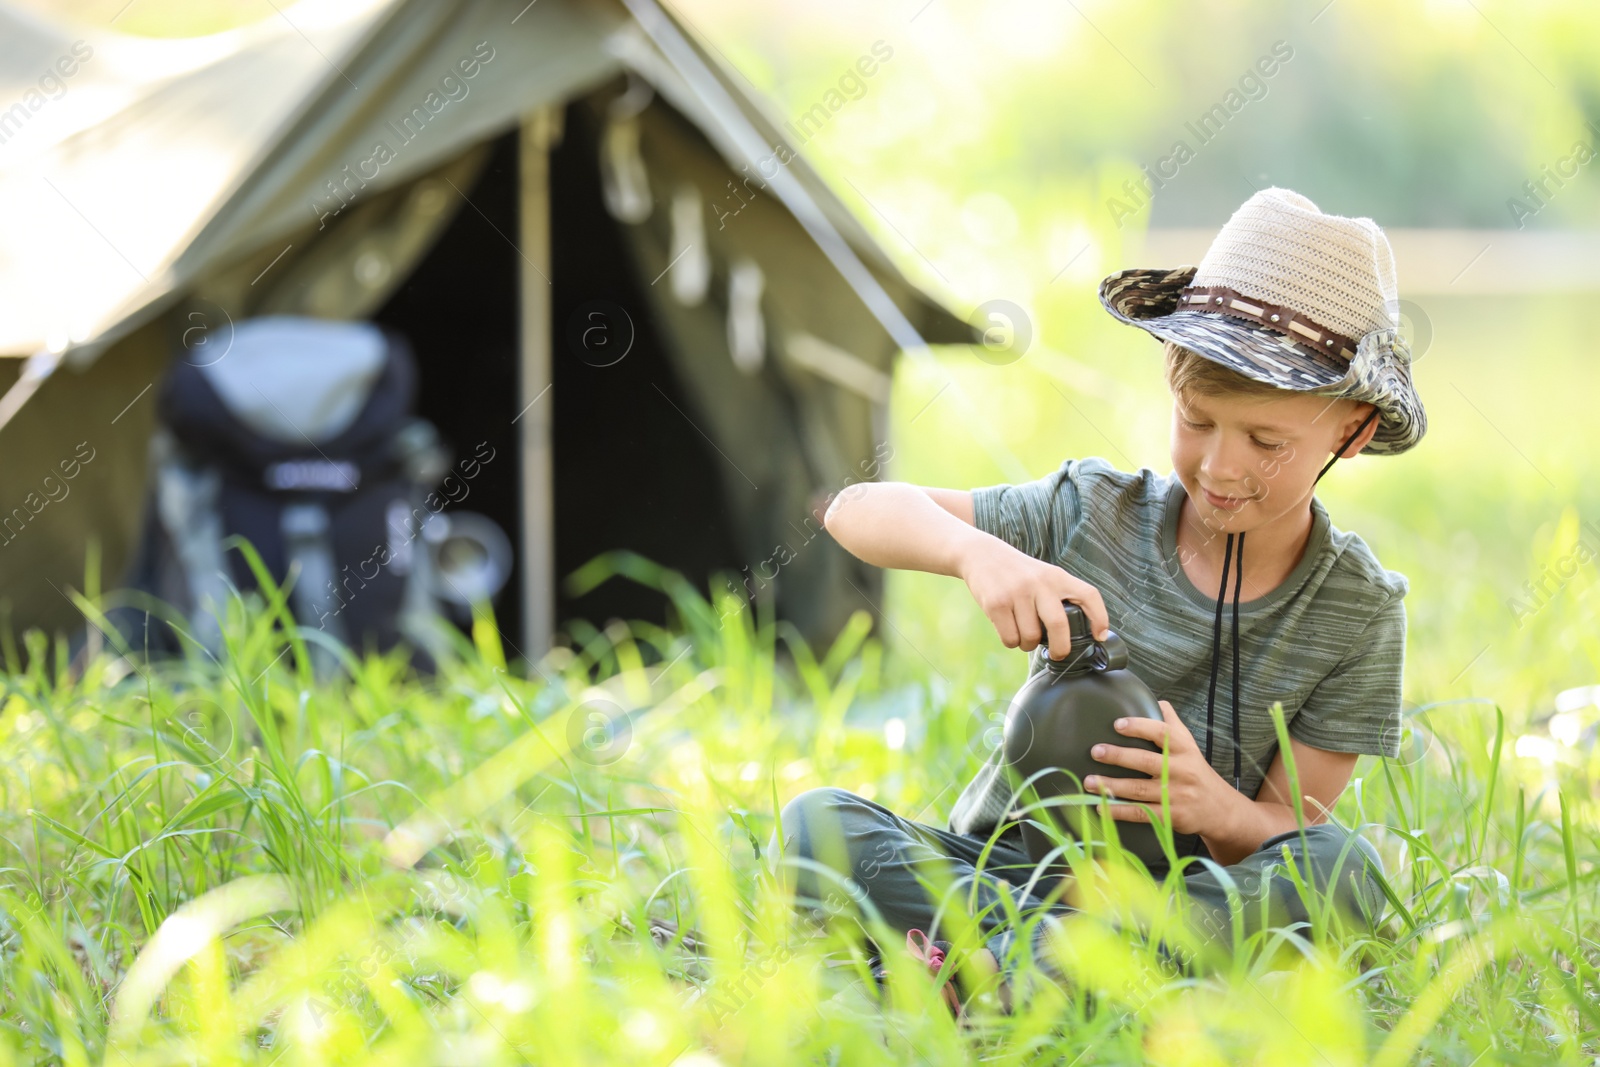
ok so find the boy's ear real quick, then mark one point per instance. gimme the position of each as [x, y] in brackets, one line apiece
[1351, 422]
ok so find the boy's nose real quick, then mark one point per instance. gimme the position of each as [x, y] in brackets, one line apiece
[1225, 470]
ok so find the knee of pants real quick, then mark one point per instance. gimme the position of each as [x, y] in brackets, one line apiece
[815, 826]
[1324, 842]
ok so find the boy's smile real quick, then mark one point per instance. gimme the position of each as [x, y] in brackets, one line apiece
[1227, 503]
[1249, 464]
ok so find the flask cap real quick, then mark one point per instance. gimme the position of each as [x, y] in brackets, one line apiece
[1086, 653]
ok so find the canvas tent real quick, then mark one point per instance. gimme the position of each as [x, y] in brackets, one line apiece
[517, 187]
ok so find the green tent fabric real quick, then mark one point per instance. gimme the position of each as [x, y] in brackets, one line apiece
[310, 164]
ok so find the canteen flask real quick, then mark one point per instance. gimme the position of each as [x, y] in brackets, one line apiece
[1057, 717]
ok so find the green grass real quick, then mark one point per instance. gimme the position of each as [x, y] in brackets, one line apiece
[240, 861]
[236, 861]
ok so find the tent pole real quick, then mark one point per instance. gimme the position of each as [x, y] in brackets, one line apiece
[539, 131]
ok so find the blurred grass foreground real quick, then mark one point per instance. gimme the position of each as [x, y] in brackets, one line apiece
[233, 861]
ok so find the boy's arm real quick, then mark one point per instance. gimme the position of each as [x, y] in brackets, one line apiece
[903, 526]
[957, 502]
[895, 524]
[1323, 776]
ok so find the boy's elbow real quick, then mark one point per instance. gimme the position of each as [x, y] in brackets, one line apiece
[831, 517]
[836, 518]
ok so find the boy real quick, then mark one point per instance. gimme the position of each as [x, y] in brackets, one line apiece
[1281, 350]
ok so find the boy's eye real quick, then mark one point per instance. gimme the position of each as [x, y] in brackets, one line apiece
[1268, 445]
[1194, 425]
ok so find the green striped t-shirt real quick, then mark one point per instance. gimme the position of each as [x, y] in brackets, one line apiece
[1329, 641]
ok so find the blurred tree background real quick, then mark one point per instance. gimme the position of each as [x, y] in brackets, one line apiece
[1421, 114]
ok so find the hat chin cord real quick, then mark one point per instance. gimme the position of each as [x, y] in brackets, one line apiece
[1216, 630]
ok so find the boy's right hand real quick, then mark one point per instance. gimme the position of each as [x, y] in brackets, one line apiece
[1022, 597]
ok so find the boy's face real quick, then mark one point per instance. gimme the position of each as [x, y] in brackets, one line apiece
[1246, 461]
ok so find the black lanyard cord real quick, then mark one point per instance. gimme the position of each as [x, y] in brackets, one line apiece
[1216, 630]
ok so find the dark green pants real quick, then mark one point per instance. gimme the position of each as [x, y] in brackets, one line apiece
[840, 848]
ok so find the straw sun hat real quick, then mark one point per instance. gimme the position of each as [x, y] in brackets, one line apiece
[1292, 297]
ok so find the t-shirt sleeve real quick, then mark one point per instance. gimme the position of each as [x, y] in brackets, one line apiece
[1034, 517]
[1356, 708]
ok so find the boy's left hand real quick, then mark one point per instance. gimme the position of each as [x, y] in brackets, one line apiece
[1198, 793]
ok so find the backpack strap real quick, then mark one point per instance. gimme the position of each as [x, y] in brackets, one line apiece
[186, 501]
[422, 614]
[308, 547]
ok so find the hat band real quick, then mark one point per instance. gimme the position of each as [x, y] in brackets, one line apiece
[1221, 300]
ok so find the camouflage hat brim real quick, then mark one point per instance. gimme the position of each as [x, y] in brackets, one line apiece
[1380, 373]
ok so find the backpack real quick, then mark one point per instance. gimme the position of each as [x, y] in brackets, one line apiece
[300, 437]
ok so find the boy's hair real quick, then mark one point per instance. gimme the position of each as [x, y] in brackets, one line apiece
[1189, 373]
